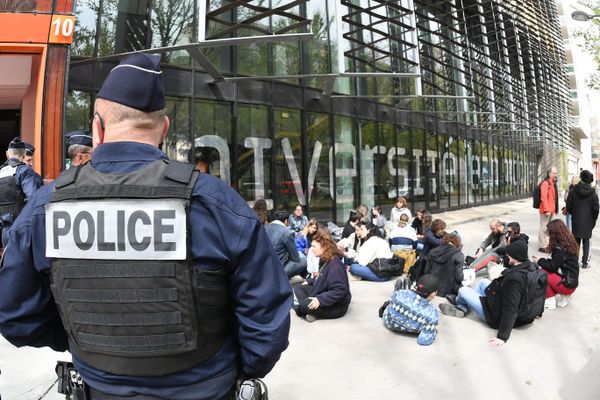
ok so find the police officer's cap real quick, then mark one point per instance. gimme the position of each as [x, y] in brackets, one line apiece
[79, 137]
[29, 149]
[137, 82]
[16, 143]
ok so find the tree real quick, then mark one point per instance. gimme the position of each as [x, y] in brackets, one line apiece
[591, 40]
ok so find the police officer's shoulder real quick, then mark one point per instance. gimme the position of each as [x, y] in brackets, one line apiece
[35, 204]
[220, 195]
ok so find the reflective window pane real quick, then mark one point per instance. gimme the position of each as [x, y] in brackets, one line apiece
[177, 144]
[212, 143]
[345, 166]
[84, 37]
[287, 151]
[318, 152]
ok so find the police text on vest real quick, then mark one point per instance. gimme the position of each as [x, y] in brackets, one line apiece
[116, 229]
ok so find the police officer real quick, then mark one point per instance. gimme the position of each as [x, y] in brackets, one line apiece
[18, 182]
[160, 273]
[80, 147]
[29, 150]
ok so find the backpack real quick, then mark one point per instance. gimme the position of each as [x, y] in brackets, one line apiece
[537, 195]
[532, 304]
[384, 267]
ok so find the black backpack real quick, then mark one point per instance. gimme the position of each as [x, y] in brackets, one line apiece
[537, 195]
[532, 304]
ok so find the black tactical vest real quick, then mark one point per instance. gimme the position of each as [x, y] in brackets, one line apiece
[12, 198]
[137, 317]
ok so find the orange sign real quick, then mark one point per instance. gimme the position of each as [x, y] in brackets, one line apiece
[61, 29]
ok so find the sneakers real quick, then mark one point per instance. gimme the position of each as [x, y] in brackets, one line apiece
[310, 318]
[563, 299]
[550, 303]
[585, 266]
[451, 310]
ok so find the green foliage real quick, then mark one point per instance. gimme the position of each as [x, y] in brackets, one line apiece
[591, 39]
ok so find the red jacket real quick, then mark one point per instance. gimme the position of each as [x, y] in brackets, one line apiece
[548, 197]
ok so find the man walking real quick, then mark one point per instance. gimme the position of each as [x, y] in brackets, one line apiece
[155, 277]
[548, 206]
[582, 204]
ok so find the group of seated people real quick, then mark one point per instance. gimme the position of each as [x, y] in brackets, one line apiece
[310, 251]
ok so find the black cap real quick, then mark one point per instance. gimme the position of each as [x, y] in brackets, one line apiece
[427, 284]
[29, 149]
[79, 137]
[586, 176]
[16, 143]
[137, 82]
[518, 250]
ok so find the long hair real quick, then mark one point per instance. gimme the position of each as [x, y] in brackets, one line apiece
[427, 221]
[330, 249]
[311, 222]
[559, 235]
[260, 208]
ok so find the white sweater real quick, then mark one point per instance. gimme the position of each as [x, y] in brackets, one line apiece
[373, 248]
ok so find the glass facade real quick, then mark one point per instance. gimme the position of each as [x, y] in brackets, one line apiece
[444, 103]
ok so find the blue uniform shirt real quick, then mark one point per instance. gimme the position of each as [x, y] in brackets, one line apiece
[224, 232]
[27, 179]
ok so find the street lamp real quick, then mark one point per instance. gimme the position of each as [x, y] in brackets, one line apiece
[582, 16]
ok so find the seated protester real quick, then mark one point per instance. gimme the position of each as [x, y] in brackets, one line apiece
[373, 247]
[409, 311]
[498, 303]
[260, 208]
[427, 221]
[495, 240]
[513, 233]
[327, 295]
[364, 213]
[351, 244]
[433, 235]
[283, 243]
[304, 237]
[297, 221]
[402, 236]
[417, 223]
[400, 208]
[446, 263]
[378, 220]
[354, 217]
[562, 268]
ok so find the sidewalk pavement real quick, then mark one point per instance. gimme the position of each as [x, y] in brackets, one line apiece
[355, 357]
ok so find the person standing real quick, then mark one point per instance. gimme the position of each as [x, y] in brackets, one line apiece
[179, 297]
[582, 204]
[574, 181]
[80, 147]
[18, 182]
[548, 206]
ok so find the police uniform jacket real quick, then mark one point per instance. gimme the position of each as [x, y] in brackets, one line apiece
[224, 233]
[28, 180]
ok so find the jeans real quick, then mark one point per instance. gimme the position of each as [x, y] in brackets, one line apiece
[293, 268]
[365, 273]
[468, 299]
[568, 219]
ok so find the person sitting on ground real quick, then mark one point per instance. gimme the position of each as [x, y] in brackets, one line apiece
[446, 262]
[417, 223]
[304, 237]
[260, 208]
[364, 212]
[327, 295]
[402, 236]
[297, 221]
[495, 240]
[427, 221]
[400, 208]
[513, 233]
[378, 220]
[433, 235]
[353, 218]
[562, 268]
[373, 247]
[498, 303]
[410, 311]
[283, 243]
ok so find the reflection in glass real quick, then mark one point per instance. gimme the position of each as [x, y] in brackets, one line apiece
[432, 171]
[124, 26]
[173, 24]
[419, 170]
[370, 158]
[84, 37]
[178, 142]
[26, 5]
[452, 158]
[319, 142]
[390, 164]
[212, 143]
[254, 154]
[287, 153]
[345, 167]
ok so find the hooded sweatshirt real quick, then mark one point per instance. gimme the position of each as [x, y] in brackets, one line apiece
[582, 204]
[446, 262]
